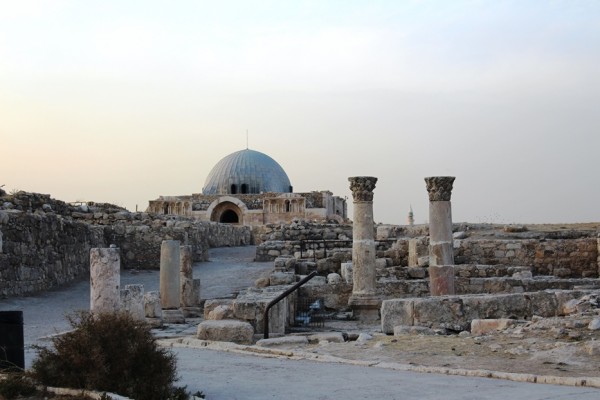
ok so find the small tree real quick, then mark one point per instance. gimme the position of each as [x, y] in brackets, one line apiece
[109, 352]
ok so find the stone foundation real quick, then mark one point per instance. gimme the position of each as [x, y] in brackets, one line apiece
[455, 313]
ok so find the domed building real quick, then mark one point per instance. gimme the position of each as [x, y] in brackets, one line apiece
[250, 188]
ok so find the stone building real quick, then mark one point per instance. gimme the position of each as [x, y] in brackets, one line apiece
[250, 188]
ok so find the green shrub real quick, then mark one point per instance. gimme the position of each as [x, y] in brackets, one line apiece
[108, 352]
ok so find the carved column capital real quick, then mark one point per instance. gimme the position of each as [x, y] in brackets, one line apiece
[439, 187]
[362, 187]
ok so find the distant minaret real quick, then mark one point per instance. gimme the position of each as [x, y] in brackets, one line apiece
[411, 217]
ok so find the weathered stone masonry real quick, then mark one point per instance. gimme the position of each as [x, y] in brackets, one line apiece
[46, 243]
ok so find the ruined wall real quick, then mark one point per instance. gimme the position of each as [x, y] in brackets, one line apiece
[45, 243]
[139, 235]
[559, 257]
[41, 251]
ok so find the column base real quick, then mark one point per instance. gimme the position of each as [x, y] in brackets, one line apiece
[365, 307]
[192, 312]
[174, 316]
[154, 322]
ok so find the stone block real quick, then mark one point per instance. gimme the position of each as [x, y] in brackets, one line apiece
[220, 312]
[282, 278]
[416, 273]
[132, 301]
[152, 308]
[334, 279]
[285, 340]
[173, 316]
[346, 272]
[484, 326]
[543, 304]
[210, 305]
[262, 282]
[331, 337]
[396, 312]
[513, 306]
[441, 312]
[226, 331]
[284, 263]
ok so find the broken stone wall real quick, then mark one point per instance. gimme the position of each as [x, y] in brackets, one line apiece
[42, 251]
[46, 242]
[558, 257]
[281, 240]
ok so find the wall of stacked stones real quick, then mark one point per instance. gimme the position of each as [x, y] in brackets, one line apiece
[560, 257]
[41, 251]
[45, 243]
[140, 241]
[275, 240]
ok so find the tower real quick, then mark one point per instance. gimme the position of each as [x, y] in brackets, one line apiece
[411, 219]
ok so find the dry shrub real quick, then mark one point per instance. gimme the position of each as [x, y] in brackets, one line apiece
[108, 352]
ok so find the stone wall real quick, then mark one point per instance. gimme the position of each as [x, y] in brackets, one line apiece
[558, 257]
[42, 251]
[139, 236]
[455, 313]
[45, 243]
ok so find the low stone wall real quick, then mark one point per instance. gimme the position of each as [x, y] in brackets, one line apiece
[456, 312]
[42, 251]
[140, 240]
[302, 230]
[392, 288]
[45, 243]
[558, 257]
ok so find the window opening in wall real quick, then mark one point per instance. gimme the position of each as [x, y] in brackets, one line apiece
[244, 188]
[233, 189]
[287, 206]
[166, 209]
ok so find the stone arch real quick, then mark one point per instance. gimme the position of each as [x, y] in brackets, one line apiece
[227, 209]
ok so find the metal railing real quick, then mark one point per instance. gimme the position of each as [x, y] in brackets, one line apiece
[281, 297]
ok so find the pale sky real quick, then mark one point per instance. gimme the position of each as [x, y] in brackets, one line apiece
[123, 101]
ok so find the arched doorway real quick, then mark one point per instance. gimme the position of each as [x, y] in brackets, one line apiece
[229, 217]
[227, 212]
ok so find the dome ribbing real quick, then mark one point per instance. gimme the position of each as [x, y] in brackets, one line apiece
[246, 171]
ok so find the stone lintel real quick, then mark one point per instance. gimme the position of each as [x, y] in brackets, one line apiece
[439, 187]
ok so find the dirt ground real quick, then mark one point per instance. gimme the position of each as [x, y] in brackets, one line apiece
[550, 346]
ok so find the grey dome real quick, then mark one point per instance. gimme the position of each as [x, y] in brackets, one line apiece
[247, 171]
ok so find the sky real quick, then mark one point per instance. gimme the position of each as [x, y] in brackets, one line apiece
[124, 101]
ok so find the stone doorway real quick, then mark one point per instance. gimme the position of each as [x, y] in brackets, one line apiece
[227, 213]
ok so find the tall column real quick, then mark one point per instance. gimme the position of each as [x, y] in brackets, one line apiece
[105, 280]
[441, 249]
[364, 300]
[170, 282]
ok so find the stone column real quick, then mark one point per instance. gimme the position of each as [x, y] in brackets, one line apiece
[364, 300]
[105, 280]
[188, 298]
[170, 281]
[441, 249]
[152, 309]
[132, 301]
